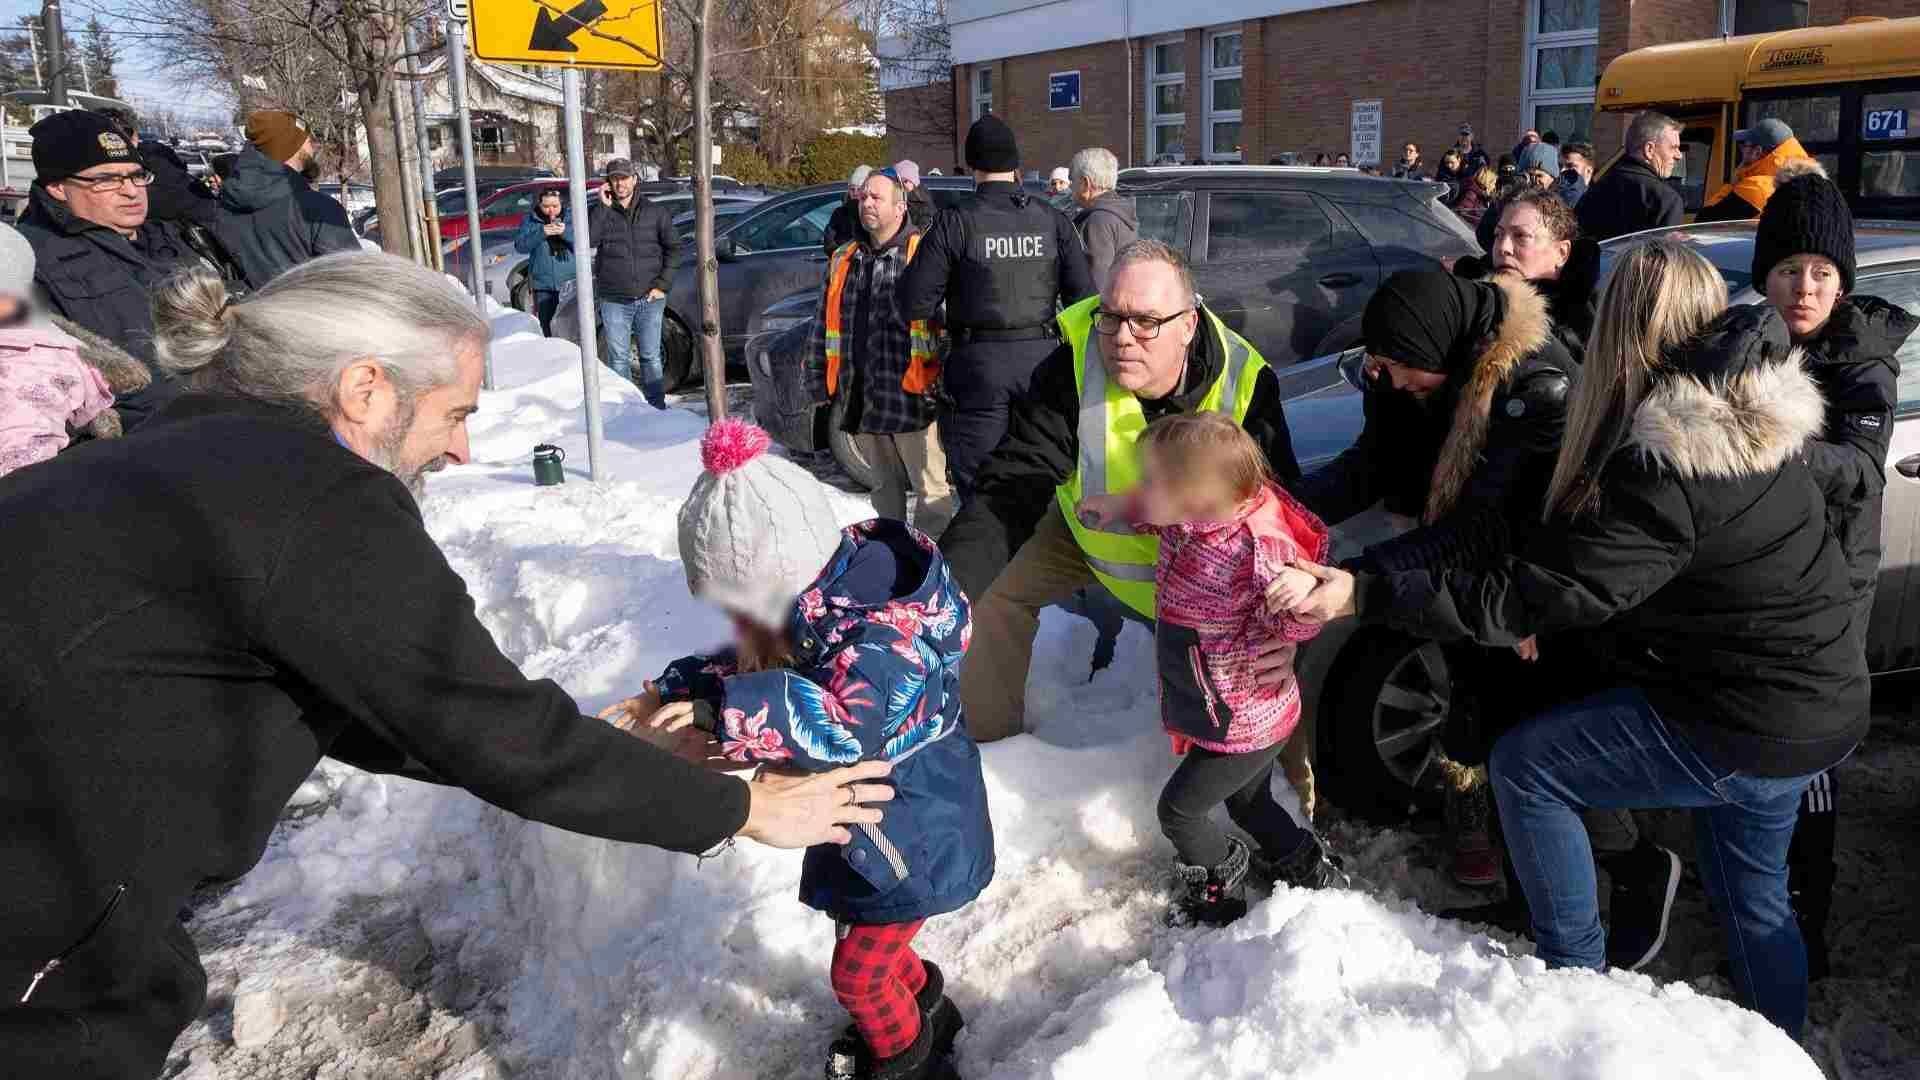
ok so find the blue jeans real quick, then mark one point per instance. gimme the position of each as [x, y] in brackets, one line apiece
[626, 322]
[1613, 752]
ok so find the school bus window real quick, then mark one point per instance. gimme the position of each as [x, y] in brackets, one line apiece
[1813, 119]
[1696, 149]
[1829, 161]
[1893, 173]
[1890, 116]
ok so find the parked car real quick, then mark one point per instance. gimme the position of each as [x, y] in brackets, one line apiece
[1287, 256]
[1379, 699]
[772, 252]
[726, 214]
[197, 163]
[449, 203]
[356, 198]
[502, 267]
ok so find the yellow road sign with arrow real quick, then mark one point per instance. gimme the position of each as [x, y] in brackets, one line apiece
[621, 34]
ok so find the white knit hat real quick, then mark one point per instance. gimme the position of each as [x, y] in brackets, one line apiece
[756, 530]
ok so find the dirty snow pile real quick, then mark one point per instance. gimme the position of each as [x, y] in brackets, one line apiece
[512, 949]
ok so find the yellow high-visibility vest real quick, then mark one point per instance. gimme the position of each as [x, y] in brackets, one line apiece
[1111, 421]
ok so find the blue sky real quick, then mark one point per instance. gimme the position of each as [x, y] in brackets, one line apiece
[138, 79]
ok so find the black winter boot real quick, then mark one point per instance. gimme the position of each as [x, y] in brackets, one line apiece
[850, 1059]
[1211, 896]
[937, 1011]
[1310, 867]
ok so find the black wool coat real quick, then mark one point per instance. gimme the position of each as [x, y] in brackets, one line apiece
[195, 615]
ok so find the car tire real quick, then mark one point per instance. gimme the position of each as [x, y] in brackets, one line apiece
[520, 293]
[678, 354]
[845, 450]
[1392, 699]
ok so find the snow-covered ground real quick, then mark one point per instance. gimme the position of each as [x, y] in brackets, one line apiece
[400, 930]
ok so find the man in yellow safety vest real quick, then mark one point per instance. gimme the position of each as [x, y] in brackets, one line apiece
[1017, 546]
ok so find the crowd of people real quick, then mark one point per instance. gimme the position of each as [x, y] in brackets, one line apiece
[110, 217]
[1649, 519]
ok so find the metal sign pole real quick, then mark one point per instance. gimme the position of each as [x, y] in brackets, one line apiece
[584, 311]
[476, 280]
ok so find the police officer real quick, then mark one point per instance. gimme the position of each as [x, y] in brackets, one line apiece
[1003, 261]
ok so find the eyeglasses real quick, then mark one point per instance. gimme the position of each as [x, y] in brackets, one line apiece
[101, 184]
[1144, 327]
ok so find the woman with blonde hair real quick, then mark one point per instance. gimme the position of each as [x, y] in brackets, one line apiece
[1476, 194]
[1689, 540]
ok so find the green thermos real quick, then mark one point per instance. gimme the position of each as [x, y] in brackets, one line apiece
[547, 470]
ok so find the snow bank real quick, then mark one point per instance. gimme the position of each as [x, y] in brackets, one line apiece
[604, 960]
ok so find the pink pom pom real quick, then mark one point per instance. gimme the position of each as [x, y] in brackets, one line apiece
[730, 444]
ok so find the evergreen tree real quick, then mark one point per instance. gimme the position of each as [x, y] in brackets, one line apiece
[102, 53]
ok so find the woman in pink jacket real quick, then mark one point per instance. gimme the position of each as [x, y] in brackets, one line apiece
[44, 385]
[1227, 536]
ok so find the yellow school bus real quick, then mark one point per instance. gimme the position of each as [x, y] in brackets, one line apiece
[1851, 93]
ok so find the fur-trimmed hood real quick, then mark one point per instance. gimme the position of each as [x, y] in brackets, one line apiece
[1523, 330]
[1735, 402]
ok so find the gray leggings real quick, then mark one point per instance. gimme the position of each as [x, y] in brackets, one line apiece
[1244, 782]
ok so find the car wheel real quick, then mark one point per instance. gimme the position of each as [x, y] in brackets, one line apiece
[845, 450]
[678, 354]
[1394, 698]
[520, 293]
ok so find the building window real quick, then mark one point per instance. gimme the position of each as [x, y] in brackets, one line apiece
[1167, 100]
[1763, 16]
[982, 92]
[1563, 42]
[1223, 96]
[603, 143]
[435, 137]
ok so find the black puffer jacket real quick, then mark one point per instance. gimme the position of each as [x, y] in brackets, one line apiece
[635, 248]
[275, 220]
[1707, 571]
[1472, 463]
[1573, 298]
[1853, 362]
[1042, 448]
[101, 280]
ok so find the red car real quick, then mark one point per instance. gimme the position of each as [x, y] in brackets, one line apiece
[507, 206]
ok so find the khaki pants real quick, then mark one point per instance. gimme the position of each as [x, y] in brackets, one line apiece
[916, 457]
[1047, 569]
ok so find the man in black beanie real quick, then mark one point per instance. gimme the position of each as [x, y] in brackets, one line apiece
[98, 254]
[1003, 261]
[1803, 261]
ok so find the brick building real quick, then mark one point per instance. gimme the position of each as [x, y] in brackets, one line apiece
[1250, 80]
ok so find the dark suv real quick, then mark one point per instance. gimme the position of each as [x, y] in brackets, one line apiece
[1288, 256]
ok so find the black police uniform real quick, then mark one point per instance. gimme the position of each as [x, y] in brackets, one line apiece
[1000, 259]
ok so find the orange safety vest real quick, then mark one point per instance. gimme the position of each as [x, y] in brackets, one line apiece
[923, 367]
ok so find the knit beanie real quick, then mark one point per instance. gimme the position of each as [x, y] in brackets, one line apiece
[757, 530]
[16, 264]
[278, 134]
[908, 172]
[1540, 156]
[1806, 216]
[1427, 319]
[991, 146]
[69, 143]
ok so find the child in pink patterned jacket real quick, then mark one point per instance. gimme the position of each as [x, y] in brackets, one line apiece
[1228, 535]
[46, 390]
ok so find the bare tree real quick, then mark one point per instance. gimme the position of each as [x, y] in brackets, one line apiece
[334, 62]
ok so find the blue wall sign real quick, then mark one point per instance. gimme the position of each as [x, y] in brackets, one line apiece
[1886, 124]
[1063, 90]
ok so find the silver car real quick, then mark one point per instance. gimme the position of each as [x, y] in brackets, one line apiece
[1383, 698]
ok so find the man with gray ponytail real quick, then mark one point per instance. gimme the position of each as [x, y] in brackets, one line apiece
[197, 613]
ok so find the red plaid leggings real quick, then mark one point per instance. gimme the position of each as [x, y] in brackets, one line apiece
[876, 974]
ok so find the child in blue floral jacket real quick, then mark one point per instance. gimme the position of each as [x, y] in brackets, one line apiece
[847, 648]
